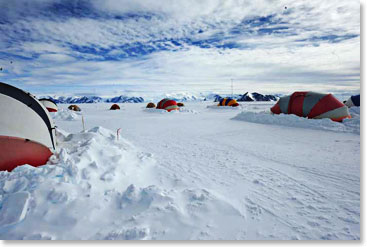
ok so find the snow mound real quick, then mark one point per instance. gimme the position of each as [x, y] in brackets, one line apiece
[290, 120]
[216, 107]
[155, 110]
[98, 187]
[72, 195]
[180, 110]
[186, 110]
[65, 115]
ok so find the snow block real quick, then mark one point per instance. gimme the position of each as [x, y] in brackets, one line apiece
[14, 208]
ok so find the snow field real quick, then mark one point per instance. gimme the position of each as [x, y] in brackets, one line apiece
[189, 176]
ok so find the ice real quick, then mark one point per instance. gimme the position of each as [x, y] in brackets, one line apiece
[14, 208]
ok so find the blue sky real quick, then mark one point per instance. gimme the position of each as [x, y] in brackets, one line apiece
[165, 46]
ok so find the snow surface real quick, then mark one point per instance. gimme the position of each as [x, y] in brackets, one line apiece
[203, 172]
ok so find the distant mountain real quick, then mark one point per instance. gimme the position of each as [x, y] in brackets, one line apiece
[245, 97]
[179, 97]
[217, 98]
[248, 97]
[125, 99]
[257, 97]
[95, 99]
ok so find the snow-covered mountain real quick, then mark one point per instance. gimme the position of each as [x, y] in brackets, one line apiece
[125, 99]
[94, 99]
[246, 97]
[257, 97]
[179, 97]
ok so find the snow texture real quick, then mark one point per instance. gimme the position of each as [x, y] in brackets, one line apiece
[290, 120]
[189, 176]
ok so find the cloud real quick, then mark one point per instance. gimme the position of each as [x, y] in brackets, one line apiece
[181, 45]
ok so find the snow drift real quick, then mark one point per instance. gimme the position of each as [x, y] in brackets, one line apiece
[96, 187]
[290, 120]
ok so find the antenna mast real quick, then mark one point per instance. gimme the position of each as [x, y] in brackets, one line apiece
[232, 87]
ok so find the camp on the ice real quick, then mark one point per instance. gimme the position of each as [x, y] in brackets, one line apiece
[353, 101]
[167, 104]
[27, 133]
[150, 105]
[50, 105]
[312, 105]
[74, 108]
[228, 102]
[115, 107]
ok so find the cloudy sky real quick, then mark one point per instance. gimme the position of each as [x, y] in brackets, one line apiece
[140, 46]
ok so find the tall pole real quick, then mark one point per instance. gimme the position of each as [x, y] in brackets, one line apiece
[232, 87]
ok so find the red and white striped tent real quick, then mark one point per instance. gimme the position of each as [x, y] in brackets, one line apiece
[49, 104]
[312, 105]
[167, 104]
[27, 134]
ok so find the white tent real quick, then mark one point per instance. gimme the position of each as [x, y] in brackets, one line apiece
[49, 104]
[27, 134]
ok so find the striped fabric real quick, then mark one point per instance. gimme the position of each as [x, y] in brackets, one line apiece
[228, 102]
[167, 104]
[312, 105]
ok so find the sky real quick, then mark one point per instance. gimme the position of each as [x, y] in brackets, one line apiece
[165, 46]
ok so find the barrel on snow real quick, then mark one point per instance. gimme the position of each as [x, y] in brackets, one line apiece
[167, 104]
[49, 104]
[228, 102]
[312, 105]
[353, 101]
[26, 130]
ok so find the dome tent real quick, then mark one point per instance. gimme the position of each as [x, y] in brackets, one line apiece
[74, 108]
[353, 101]
[115, 107]
[228, 102]
[150, 105]
[26, 131]
[49, 104]
[312, 105]
[167, 104]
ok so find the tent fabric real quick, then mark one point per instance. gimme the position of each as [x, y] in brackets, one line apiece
[26, 131]
[150, 105]
[18, 151]
[356, 100]
[228, 102]
[115, 107]
[167, 104]
[312, 105]
[50, 105]
[353, 101]
[74, 108]
[30, 101]
[180, 104]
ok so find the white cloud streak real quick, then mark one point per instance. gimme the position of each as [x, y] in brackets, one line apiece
[48, 50]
